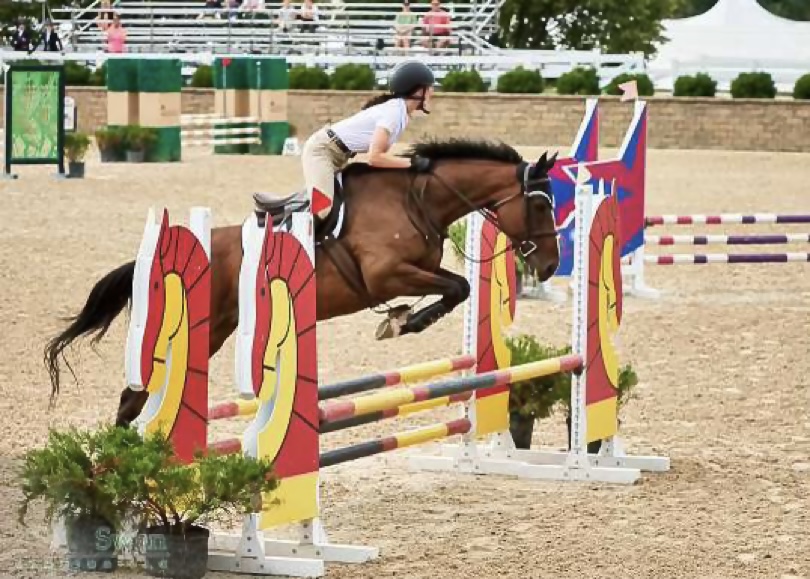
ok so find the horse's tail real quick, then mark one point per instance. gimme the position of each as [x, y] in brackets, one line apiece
[106, 300]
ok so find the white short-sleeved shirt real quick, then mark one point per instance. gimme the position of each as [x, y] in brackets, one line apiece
[357, 130]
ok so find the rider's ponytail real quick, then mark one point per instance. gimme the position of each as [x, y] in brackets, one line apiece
[378, 100]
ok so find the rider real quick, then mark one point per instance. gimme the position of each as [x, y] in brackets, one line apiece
[372, 130]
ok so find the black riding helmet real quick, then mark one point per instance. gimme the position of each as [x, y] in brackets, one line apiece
[409, 77]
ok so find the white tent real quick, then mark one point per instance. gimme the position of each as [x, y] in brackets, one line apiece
[734, 36]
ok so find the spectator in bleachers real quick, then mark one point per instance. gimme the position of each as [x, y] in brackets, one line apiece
[308, 16]
[50, 39]
[105, 15]
[116, 36]
[404, 26]
[251, 5]
[212, 9]
[436, 26]
[21, 39]
[232, 9]
[287, 16]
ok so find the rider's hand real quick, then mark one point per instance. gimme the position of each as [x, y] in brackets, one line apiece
[420, 164]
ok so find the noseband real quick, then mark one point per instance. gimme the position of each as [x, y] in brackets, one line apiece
[529, 189]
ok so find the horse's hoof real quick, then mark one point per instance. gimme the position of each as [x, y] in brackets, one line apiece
[391, 327]
[386, 330]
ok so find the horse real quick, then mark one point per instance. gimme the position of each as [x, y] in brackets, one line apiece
[390, 246]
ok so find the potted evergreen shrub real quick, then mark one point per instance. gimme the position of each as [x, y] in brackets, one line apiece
[175, 501]
[76, 145]
[531, 400]
[534, 399]
[110, 142]
[81, 477]
[138, 142]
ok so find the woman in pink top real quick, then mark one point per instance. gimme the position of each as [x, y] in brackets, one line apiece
[116, 35]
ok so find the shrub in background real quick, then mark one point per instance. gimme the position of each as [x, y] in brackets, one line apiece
[700, 85]
[308, 78]
[353, 77]
[753, 85]
[644, 83]
[801, 90]
[521, 81]
[76, 74]
[203, 77]
[463, 81]
[579, 81]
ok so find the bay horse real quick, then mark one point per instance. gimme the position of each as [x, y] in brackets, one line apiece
[390, 246]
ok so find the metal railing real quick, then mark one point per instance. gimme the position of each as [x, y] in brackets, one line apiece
[171, 18]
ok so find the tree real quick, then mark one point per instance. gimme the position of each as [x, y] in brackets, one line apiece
[793, 9]
[617, 26]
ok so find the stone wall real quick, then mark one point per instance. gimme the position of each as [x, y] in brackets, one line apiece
[682, 123]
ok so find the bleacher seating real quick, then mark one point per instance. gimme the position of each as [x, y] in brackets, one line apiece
[356, 32]
[356, 28]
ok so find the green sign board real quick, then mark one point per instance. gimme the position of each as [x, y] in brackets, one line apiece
[35, 116]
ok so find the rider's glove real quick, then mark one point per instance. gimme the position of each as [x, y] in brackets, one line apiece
[420, 164]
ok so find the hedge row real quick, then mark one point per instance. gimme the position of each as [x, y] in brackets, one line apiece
[580, 81]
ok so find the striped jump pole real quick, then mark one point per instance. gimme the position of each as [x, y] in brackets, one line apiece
[413, 373]
[686, 258]
[395, 441]
[727, 239]
[226, 446]
[725, 218]
[217, 135]
[404, 410]
[212, 120]
[233, 409]
[390, 399]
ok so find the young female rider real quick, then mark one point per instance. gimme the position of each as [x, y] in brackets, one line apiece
[373, 130]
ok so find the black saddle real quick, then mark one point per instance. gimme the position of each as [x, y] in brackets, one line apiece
[279, 208]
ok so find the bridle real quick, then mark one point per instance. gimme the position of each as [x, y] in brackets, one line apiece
[530, 188]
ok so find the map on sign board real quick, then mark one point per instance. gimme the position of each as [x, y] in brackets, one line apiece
[35, 112]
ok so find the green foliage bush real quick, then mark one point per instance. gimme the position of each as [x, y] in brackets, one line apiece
[308, 78]
[536, 397]
[521, 81]
[353, 77]
[203, 77]
[76, 74]
[99, 76]
[82, 474]
[801, 90]
[700, 85]
[644, 83]
[753, 85]
[539, 397]
[463, 81]
[579, 81]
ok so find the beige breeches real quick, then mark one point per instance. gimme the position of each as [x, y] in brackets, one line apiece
[321, 159]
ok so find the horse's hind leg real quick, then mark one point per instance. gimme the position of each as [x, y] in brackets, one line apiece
[409, 280]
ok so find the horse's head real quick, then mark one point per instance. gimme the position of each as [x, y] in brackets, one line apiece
[527, 217]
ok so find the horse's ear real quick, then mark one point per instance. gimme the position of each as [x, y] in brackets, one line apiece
[542, 161]
[553, 160]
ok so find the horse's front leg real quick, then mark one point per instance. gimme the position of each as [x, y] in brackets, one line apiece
[409, 280]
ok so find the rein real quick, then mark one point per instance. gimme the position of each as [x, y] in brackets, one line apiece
[528, 188]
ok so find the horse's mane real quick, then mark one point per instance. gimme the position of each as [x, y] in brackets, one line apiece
[458, 149]
[466, 149]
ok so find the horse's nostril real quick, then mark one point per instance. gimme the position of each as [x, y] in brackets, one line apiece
[549, 271]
